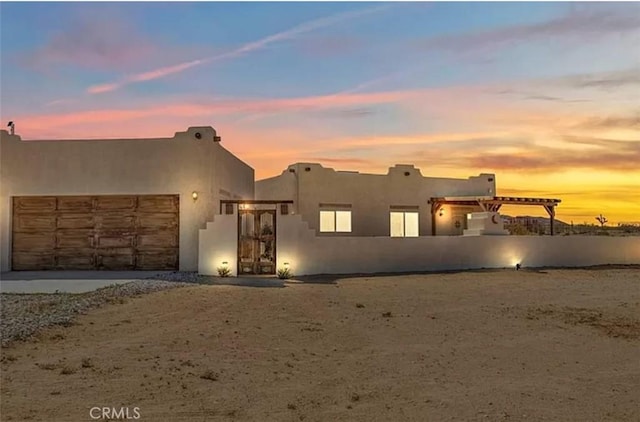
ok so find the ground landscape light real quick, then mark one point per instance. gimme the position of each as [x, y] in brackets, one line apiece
[518, 266]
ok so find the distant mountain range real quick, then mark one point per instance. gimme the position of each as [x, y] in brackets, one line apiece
[535, 221]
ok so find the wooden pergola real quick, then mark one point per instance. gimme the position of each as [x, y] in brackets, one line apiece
[491, 204]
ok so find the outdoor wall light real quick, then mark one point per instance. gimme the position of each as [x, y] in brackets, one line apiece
[194, 195]
[225, 263]
[441, 213]
[286, 265]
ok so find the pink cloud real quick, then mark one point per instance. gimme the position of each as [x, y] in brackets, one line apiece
[164, 71]
[577, 25]
[470, 108]
[240, 51]
[146, 76]
[97, 41]
[99, 89]
[60, 101]
[447, 103]
[33, 122]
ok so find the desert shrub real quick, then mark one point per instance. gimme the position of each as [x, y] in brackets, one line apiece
[47, 366]
[210, 375]
[67, 370]
[284, 273]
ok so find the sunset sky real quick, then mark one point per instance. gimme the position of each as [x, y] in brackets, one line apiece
[545, 95]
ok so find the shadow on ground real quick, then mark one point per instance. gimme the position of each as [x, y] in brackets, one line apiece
[243, 282]
[80, 275]
[333, 278]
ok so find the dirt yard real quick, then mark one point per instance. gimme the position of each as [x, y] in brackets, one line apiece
[489, 345]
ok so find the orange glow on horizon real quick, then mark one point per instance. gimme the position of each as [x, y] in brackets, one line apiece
[578, 153]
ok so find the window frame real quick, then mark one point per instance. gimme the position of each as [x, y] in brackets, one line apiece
[337, 228]
[403, 212]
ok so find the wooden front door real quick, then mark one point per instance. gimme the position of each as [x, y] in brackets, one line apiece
[256, 241]
[458, 223]
[114, 232]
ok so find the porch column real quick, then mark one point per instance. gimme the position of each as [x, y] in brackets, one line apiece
[435, 206]
[551, 210]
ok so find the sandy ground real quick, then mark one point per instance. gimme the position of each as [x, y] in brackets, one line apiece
[491, 345]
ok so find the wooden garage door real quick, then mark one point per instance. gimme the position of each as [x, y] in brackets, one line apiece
[95, 232]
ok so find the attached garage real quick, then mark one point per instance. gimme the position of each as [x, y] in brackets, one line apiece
[113, 203]
[107, 232]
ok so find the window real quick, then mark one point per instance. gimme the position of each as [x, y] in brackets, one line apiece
[335, 221]
[403, 224]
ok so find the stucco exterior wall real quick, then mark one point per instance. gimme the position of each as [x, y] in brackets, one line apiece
[297, 244]
[372, 195]
[283, 187]
[235, 179]
[178, 165]
[219, 244]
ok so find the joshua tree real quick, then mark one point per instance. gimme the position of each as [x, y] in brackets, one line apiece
[602, 220]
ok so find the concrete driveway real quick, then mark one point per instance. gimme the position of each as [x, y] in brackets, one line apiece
[66, 281]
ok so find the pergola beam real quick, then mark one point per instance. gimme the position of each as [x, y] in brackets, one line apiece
[492, 204]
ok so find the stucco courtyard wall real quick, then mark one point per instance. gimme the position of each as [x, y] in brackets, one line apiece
[179, 165]
[307, 253]
[218, 245]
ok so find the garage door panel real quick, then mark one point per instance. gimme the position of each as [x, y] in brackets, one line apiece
[158, 203]
[95, 232]
[34, 204]
[117, 221]
[76, 221]
[75, 203]
[35, 242]
[110, 203]
[157, 240]
[34, 222]
[115, 251]
[83, 260]
[116, 241]
[165, 260]
[75, 239]
[116, 261]
[33, 261]
[158, 221]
